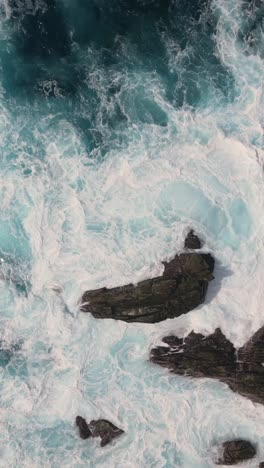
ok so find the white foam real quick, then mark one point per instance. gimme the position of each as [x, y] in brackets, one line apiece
[100, 225]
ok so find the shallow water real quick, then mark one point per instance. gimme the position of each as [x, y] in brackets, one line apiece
[123, 124]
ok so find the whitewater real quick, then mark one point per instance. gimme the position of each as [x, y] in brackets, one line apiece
[122, 125]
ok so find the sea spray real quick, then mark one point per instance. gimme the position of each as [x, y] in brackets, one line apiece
[120, 128]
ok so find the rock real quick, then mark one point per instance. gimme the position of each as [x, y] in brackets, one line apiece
[106, 430]
[100, 428]
[196, 266]
[261, 465]
[192, 241]
[214, 356]
[236, 451]
[181, 288]
[84, 430]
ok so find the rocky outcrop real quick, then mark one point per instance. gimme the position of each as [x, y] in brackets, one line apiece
[181, 288]
[214, 356]
[192, 241]
[235, 451]
[100, 428]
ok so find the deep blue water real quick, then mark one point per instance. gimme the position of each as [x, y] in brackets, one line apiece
[47, 55]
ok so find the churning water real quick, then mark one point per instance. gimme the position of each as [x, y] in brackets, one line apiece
[123, 123]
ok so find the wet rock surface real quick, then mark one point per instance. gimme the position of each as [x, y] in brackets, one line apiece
[192, 241]
[181, 288]
[236, 451]
[102, 428]
[105, 430]
[214, 356]
[83, 427]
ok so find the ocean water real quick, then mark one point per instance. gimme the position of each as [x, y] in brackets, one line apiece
[123, 124]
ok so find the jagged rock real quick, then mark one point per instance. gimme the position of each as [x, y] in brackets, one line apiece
[196, 266]
[100, 428]
[192, 241]
[106, 430]
[181, 288]
[236, 451]
[214, 356]
[84, 430]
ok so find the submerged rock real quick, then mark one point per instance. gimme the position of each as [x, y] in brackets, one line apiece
[181, 288]
[100, 428]
[236, 451]
[9, 352]
[214, 356]
[192, 241]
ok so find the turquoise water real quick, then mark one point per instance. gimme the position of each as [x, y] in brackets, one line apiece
[122, 125]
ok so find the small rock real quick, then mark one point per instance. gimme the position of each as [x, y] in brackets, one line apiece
[261, 465]
[84, 430]
[104, 429]
[100, 428]
[236, 451]
[192, 241]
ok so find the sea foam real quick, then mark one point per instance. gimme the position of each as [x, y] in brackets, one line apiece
[85, 209]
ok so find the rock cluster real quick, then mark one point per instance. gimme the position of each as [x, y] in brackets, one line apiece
[181, 288]
[100, 428]
[214, 356]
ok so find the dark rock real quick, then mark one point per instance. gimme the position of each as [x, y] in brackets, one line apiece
[214, 356]
[194, 265]
[261, 465]
[106, 430]
[181, 288]
[236, 451]
[100, 428]
[84, 430]
[192, 241]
